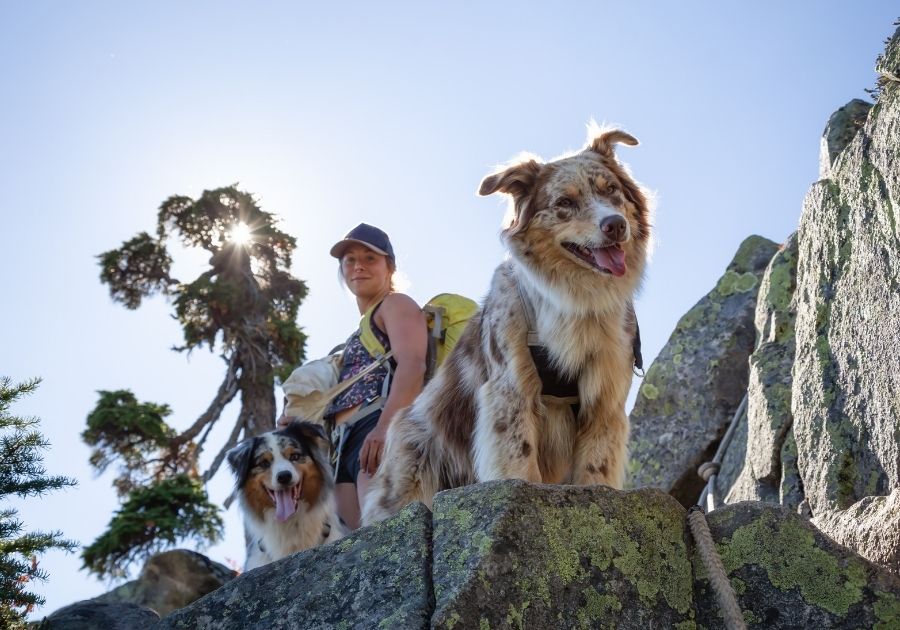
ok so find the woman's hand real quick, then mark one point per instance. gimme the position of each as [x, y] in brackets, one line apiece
[373, 448]
[284, 420]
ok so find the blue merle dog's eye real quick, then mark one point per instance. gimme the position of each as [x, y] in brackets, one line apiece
[263, 463]
[295, 457]
[565, 202]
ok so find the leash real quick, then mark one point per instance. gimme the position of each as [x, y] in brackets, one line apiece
[725, 596]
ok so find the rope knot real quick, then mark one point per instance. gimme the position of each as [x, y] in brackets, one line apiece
[707, 470]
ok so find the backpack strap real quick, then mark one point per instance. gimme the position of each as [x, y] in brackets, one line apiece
[367, 335]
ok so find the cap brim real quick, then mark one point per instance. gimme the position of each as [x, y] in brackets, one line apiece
[341, 246]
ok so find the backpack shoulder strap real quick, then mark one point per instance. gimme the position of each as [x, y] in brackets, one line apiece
[367, 335]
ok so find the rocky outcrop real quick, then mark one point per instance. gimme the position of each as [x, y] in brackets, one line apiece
[760, 464]
[821, 433]
[512, 554]
[697, 382]
[509, 554]
[379, 577]
[171, 580]
[845, 401]
[787, 574]
[93, 615]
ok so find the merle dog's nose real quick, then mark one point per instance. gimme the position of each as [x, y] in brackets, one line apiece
[284, 477]
[614, 227]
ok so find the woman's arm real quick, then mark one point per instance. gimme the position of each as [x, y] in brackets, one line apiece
[403, 321]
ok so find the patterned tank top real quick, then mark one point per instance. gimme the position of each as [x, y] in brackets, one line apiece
[354, 359]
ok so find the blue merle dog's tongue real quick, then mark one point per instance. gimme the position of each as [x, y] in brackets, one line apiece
[285, 504]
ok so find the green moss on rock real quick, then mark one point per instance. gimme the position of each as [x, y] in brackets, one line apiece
[789, 555]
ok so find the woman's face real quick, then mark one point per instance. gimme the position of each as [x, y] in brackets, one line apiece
[366, 272]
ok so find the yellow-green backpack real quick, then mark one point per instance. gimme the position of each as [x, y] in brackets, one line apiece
[447, 315]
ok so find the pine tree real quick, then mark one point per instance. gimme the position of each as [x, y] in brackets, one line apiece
[244, 307]
[22, 474]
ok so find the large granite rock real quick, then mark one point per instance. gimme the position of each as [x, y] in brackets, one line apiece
[845, 397]
[94, 615]
[787, 574]
[171, 580]
[840, 130]
[758, 465]
[509, 554]
[697, 382]
[379, 577]
[516, 555]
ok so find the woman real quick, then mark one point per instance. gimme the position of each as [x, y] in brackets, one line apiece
[363, 412]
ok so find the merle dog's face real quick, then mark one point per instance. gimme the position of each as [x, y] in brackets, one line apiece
[281, 468]
[582, 214]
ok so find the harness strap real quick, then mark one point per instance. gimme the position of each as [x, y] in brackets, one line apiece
[530, 318]
[340, 432]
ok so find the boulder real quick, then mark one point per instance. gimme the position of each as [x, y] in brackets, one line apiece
[787, 574]
[754, 466]
[845, 399]
[171, 580]
[378, 577]
[696, 384]
[94, 615]
[840, 130]
[509, 554]
[515, 555]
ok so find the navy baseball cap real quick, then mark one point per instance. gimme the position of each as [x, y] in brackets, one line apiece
[367, 235]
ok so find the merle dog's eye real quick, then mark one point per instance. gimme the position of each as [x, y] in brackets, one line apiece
[612, 189]
[296, 457]
[565, 202]
[263, 463]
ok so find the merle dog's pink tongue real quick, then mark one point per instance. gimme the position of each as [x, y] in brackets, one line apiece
[611, 258]
[284, 505]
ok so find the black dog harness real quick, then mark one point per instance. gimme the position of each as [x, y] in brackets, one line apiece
[561, 386]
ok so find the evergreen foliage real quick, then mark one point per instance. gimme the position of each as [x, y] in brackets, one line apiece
[152, 518]
[22, 474]
[244, 306]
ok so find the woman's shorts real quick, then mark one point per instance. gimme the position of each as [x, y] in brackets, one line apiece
[351, 444]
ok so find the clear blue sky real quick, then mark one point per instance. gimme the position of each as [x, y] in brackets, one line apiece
[386, 112]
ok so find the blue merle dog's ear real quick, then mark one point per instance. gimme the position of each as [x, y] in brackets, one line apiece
[240, 458]
[308, 431]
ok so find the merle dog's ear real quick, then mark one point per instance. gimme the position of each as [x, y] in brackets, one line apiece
[308, 431]
[239, 458]
[516, 180]
[603, 143]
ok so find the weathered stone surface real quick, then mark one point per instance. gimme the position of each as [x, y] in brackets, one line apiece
[378, 577]
[94, 615]
[846, 393]
[171, 580]
[840, 130]
[752, 469]
[787, 574]
[516, 555]
[888, 63]
[697, 382]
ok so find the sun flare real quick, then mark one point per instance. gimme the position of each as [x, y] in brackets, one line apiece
[240, 234]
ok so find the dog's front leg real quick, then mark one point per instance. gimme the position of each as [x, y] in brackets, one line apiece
[505, 444]
[601, 447]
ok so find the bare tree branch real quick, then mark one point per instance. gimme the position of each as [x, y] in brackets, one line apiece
[227, 391]
[232, 440]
